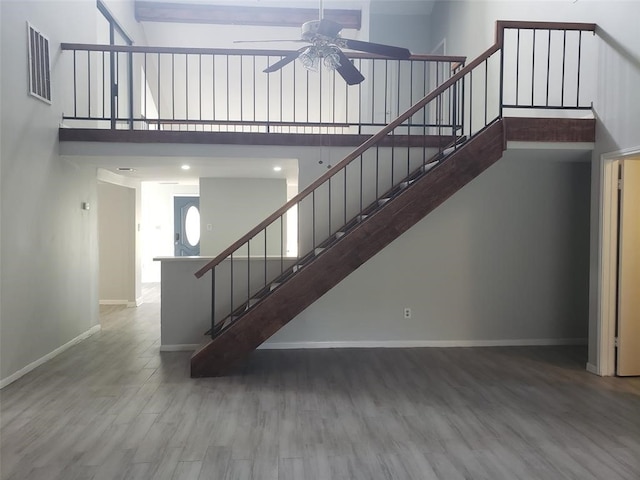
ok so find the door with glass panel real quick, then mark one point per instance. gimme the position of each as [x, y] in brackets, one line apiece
[186, 219]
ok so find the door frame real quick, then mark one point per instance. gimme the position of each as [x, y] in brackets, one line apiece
[608, 260]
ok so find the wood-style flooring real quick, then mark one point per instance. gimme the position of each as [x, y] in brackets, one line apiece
[114, 407]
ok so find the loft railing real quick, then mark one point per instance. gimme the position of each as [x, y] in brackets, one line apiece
[544, 67]
[400, 153]
[127, 87]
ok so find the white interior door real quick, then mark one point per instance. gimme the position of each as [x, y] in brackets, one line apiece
[628, 352]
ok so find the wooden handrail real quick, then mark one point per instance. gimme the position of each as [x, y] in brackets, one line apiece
[238, 51]
[500, 27]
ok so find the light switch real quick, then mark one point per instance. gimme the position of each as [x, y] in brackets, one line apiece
[209, 227]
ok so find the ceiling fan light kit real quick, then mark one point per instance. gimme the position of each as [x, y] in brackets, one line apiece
[311, 56]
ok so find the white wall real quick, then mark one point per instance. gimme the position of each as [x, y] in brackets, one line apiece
[233, 206]
[117, 243]
[49, 271]
[157, 226]
[402, 29]
[505, 259]
[49, 256]
[468, 28]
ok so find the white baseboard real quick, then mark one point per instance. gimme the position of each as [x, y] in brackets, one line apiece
[591, 368]
[137, 303]
[127, 303]
[424, 343]
[397, 344]
[33, 365]
[189, 347]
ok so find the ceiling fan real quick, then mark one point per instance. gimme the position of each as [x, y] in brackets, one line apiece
[326, 46]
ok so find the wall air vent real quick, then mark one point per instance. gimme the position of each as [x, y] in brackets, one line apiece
[39, 65]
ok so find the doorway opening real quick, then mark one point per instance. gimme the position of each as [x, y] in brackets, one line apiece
[618, 316]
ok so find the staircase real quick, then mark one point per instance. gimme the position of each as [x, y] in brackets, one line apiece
[362, 204]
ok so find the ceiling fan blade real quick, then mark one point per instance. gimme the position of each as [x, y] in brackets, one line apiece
[348, 71]
[378, 49]
[329, 28]
[290, 57]
[269, 41]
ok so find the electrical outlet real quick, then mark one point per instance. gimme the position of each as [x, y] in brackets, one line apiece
[407, 312]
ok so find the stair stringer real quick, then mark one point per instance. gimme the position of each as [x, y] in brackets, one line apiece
[345, 256]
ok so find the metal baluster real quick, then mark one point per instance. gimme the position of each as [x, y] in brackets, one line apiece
[173, 87]
[518, 69]
[213, 89]
[330, 206]
[265, 256]
[231, 285]
[533, 66]
[282, 240]
[398, 91]
[548, 65]
[75, 90]
[269, 98]
[386, 88]
[564, 61]
[579, 68]
[377, 170]
[104, 90]
[294, 92]
[186, 88]
[320, 90]
[361, 182]
[146, 82]
[88, 84]
[213, 301]
[486, 89]
[345, 195]
[158, 93]
[373, 91]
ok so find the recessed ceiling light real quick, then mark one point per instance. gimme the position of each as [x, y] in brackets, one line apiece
[185, 167]
[126, 169]
[277, 169]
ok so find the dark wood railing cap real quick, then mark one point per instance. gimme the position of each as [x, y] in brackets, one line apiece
[89, 47]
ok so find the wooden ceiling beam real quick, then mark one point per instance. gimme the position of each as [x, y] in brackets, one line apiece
[148, 11]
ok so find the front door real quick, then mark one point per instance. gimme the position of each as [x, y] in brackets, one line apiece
[186, 232]
[628, 352]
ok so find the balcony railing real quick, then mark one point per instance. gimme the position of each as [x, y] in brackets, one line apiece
[126, 87]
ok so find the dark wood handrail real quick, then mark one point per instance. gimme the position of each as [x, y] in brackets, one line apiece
[500, 26]
[237, 52]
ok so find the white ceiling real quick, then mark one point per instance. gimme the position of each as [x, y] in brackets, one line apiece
[402, 7]
[168, 169]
